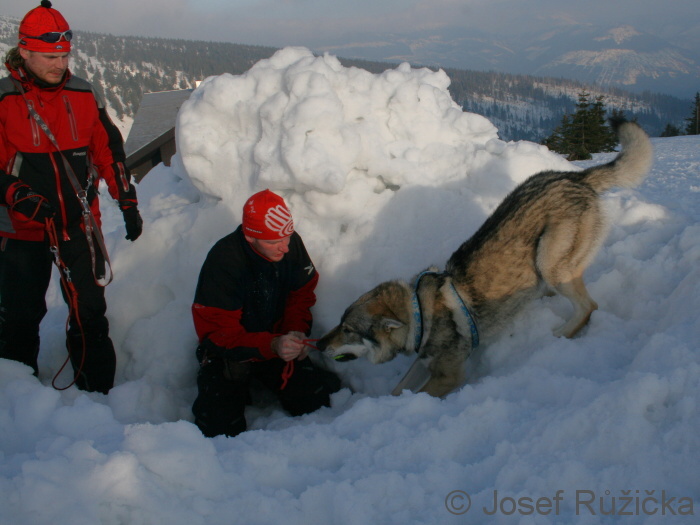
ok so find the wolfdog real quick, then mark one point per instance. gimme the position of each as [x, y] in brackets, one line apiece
[538, 241]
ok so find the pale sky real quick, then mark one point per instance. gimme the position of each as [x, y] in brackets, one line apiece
[280, 23]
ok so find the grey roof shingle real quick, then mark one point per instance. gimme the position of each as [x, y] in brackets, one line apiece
[156, 115]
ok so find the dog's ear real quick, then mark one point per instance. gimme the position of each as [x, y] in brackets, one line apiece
[388, 324]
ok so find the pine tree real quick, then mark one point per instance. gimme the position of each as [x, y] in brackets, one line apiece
[585, 132]
[602, 138]
[693, 127]
[578, 130]
[670, 131]
[557, 141]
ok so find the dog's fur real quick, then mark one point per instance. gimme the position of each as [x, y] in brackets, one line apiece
[539, 240]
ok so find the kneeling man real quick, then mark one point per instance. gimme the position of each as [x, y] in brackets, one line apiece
[252, 309]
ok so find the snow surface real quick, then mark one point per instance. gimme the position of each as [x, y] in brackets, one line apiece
[385, 175]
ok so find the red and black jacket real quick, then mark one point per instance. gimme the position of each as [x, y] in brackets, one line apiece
[243, 300]
[87, 137]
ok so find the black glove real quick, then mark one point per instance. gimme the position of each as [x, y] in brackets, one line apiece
[133, 222]
[31, 204]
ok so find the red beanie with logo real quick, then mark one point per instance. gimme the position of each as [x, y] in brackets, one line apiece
[266, 217]
[40, 21]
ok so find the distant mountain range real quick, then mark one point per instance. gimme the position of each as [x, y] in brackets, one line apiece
[608, 57]
[523, 107]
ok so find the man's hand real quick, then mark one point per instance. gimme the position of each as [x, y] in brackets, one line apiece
[304, 349]
[133, 222]
[31, 204]
[289, 346]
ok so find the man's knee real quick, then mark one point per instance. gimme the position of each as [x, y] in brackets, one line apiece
[220, 405]
[308, 389]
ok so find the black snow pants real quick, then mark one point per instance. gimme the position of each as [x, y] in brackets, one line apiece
[25, 274]
[224, 391]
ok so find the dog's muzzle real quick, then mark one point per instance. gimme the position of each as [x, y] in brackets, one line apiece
[322, 345]
[345, 357]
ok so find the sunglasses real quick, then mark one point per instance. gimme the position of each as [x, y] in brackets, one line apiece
[53, 37]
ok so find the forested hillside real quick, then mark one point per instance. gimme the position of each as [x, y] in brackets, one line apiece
[522, 107]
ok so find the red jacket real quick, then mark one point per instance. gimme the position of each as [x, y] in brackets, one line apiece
[243, 300]
[87, 137]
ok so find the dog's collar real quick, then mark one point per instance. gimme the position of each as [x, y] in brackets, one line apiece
[467, 314]
[418, 313]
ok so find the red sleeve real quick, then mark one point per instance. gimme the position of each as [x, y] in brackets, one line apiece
[107, 148]
[223, 328]
[6, 153]
[297, 314]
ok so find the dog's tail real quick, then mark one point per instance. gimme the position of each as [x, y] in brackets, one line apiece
[632, 164]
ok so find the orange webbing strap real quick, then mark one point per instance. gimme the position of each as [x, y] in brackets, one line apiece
[288, 369]
[72, 296]
[287, 373]
[39, 199]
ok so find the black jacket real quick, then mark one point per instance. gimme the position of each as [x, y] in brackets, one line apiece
[243, 300]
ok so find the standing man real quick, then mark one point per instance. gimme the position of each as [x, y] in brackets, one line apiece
[252, 309]
[56, 142]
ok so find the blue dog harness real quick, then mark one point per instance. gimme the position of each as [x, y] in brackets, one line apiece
[418, 314]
